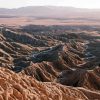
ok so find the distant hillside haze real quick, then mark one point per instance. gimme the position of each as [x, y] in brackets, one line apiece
[49, 15]
[51, 12]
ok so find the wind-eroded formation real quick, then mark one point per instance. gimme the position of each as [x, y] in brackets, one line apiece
[49, 63]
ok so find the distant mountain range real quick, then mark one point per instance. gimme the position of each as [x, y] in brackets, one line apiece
[51, 12]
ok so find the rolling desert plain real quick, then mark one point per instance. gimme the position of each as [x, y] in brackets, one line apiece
[49, 53]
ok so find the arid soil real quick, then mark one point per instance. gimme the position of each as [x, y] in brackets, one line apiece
[49, 21]
[49, 62]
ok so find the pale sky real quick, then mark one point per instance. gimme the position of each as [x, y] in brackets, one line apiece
[72, 3]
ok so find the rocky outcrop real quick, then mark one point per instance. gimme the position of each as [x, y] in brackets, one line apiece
[22, 87]
[89, 79]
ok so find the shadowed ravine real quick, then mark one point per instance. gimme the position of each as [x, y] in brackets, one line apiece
[54, 63]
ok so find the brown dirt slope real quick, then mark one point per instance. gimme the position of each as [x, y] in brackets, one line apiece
[21, 87]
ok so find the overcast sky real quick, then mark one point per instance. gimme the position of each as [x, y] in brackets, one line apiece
[72, 3]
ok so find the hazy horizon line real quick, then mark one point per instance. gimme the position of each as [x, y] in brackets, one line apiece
[50, 6]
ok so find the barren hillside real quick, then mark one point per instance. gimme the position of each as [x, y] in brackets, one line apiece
[49, 62]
